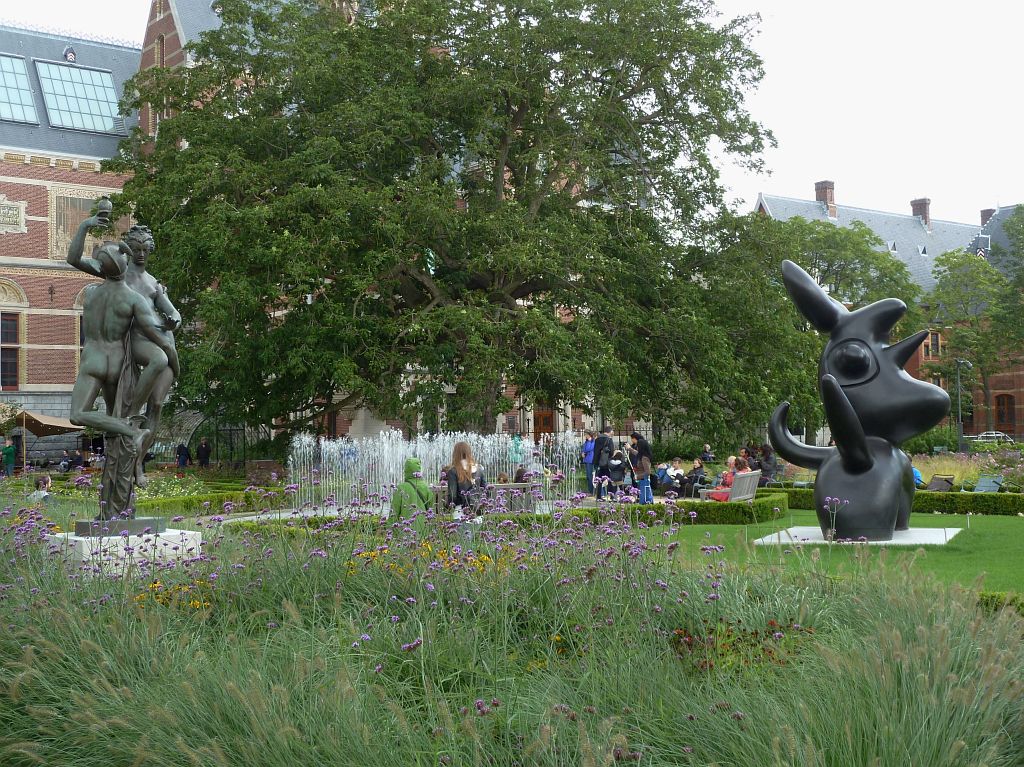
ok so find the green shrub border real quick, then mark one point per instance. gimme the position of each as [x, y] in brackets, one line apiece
[248, 501]
[764, 507]
[925, 502]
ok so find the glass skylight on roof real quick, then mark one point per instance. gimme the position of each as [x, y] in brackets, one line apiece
[15, 94]
[79, 98]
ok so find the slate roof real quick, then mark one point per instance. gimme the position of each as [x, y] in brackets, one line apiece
[1000, 247]
[122, 61]
[904, 234]
[193, 17]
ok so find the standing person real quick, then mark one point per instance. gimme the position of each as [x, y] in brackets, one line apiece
[203, 452]
[515, 453]
[642, 466]
[603, 449]
[413, 497]
[9, 455]
[183, 455]
[769, 464]
[464, 476]
[587, 453]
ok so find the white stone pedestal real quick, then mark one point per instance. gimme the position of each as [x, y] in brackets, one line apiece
[916, 536]
[114, 552]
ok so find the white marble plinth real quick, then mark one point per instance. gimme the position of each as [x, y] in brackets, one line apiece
[114, 552]
[916, 536]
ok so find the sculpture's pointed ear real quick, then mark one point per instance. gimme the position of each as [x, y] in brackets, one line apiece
[822, 311]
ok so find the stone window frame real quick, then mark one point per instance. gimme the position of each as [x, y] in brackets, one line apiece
[13, 301]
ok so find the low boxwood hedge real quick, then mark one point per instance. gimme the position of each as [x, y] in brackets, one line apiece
[208, 504]
[925, 502]
[762, 508]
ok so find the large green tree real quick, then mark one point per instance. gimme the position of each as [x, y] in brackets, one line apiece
[444, 198]
[969, 301]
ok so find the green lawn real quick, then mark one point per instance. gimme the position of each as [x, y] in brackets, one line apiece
[991, 548]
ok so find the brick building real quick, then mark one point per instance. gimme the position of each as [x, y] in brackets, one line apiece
[58, 122]
[916, 239]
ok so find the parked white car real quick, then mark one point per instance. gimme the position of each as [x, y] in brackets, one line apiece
[992, 436]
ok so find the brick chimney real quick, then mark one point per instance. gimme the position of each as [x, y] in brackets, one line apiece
[986, 214]
[825, 192]
[921, 208]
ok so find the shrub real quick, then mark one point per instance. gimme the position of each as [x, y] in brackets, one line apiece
[925, 444]
[925, 502]
[212, 503]
[708, 512]
[994, 601]
[666, 449]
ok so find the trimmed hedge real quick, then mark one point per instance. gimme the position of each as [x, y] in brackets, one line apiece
[708, 512]
[925, 502]
[186, 505]
[305, 526]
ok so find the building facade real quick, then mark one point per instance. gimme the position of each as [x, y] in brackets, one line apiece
[916, 239]
[58, 122]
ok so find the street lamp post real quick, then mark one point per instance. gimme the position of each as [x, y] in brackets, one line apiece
[961, 446]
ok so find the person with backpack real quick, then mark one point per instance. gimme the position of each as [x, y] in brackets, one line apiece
[604, 446]
[413, 496]
[465, 478]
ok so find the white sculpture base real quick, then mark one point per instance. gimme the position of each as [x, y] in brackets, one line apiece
[120, 552]
[916, 536]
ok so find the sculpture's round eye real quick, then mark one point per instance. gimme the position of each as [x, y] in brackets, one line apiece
[852, 363]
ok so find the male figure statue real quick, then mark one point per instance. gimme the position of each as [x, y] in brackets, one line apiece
[156, 356]
[110, 309]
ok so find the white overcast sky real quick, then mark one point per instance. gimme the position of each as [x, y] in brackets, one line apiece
[890, 99]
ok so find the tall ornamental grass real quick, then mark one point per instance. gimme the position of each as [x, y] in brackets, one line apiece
[431, 642]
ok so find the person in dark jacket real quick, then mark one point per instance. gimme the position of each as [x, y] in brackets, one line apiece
[604, 448]
[616, 472]
[769, 465]
[203, 453]
[587, 455]
[642, 466]
[465, 477]
[183, 455]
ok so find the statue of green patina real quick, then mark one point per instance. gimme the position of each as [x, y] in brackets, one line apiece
[128, 355]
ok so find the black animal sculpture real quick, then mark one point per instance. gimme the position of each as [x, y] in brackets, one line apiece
[872, 406]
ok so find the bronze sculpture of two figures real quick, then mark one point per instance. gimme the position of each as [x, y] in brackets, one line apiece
[128, 356]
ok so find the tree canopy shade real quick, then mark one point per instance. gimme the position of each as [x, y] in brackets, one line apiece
[449, 196]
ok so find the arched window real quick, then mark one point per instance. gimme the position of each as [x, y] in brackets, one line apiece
[1006, 413]
[13, 303]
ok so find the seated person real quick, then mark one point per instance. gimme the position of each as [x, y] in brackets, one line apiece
[918, 479]
[42, 491]
[502, 478]
[722, 493]
[520, 475]
[670, 477]
[748, 455]
[65, 461]
[706, 455]
[688, 482]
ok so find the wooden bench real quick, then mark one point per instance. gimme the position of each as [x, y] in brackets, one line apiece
[743, 487]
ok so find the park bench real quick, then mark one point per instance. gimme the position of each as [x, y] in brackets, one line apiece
[743, 487]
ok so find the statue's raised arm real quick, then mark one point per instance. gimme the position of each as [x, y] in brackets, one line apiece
[76, 250]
